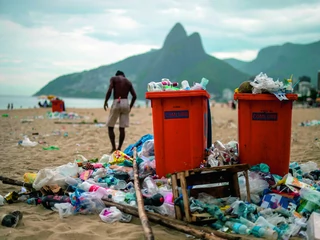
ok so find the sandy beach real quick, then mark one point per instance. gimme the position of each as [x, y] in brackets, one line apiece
[92, 141]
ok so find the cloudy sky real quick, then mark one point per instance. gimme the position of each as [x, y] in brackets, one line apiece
[42, 39]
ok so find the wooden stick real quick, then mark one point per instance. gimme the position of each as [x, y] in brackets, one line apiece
[199, 232]
[10, 181]
[142, 213]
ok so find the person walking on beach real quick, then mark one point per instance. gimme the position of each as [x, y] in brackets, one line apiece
[120, 108]
[11, 106]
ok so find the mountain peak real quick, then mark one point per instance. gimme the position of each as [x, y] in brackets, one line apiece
[196, 43]
[176, 34]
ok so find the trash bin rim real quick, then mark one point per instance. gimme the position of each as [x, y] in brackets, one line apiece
[177, 94]
[262, 96]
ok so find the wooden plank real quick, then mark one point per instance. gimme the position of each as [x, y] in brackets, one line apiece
[185, 196]
[175, 193]
[236, 167]
[234, 185]
[217, 192]
[207, 178]
[247, 186]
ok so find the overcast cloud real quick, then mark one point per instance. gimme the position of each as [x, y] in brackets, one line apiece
[42, 39]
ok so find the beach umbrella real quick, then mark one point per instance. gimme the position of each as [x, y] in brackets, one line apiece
[51, 97]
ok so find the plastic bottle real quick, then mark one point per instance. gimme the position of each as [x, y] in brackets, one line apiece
[121, 184]
[185, 85]
[204, 83]
[261, 221]
[71, 181]
[156, 200]
[94, 188]
[130, 187]
[150, 185]
[238, 227]
[259, 231]
[246, 222]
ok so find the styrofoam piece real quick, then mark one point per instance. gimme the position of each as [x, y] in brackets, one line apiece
[313, 230]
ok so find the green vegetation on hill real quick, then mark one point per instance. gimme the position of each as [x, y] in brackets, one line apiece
[282, 61]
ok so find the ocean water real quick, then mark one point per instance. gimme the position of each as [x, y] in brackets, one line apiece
[25, 102]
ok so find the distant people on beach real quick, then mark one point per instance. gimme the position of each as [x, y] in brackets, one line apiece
[120, 108]
[147, 103]
[8, 106]
[11, 106]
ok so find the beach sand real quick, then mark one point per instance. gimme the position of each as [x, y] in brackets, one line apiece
[92, 142]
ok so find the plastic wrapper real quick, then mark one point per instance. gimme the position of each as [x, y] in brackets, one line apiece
[223, 154]
[110, 215]
[119, 157]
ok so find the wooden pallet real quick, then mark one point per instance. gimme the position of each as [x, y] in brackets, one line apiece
[225, 178]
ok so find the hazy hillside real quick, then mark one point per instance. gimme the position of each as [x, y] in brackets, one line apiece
[282, 61]
[181, 57]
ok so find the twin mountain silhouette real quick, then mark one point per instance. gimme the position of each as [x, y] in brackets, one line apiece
[183, 57]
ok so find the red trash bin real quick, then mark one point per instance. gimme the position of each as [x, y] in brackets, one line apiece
[180, 128]
[264, 130]
[57, 105]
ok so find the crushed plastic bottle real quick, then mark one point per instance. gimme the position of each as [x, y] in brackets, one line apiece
[238, 227]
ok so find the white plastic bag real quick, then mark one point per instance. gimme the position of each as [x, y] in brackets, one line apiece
[68, 170]
[64, 209]
[110, 215]
[27, 143]
[53, 176]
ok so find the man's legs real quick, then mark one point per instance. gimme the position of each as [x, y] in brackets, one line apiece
[112, 138]
[114, 114]
[121, 137]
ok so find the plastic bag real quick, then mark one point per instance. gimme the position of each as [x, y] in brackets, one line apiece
[110, 215]
[68, 170]
[64, 209]
[27, 143]
[257, 185]
[147, 149]
[264, 83]
[53, 176]
[146, 168]
[86, 202]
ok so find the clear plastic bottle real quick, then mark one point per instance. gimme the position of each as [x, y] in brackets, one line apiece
[130, 187]
[259, 231]
[121, 184]
[185, 85]
[238, 227]
[204, 83]
[150, 184]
